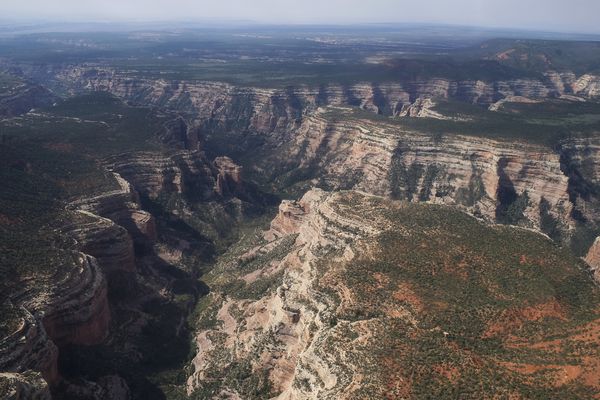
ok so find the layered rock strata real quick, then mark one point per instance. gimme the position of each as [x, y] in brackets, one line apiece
[109, 243]
[70, 308]
[28, 348]
[485, 176]
[267, 110]
[592, 258]
[354, 296]
[283, 330]
[77, 311]
[187, 172]
[122, 207]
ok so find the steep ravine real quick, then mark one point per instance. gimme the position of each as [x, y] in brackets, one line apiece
[130, 279]
[134, 244]
[292, 140]
[552, 190]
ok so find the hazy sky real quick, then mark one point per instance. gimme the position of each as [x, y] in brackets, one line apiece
[570, 15]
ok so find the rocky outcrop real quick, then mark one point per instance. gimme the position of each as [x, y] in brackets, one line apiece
[122, 207]
[274, 110]
[29, 348]
[69, 307]
[77, 310]
[229, 177]
[283, 331]
[101, 238]
[502, 181]
[580, 158]
[421, 108]
[188, 173]
[180, 134]
[586, 85]
[332, 303]
[360, 155]
[289, 218]
[592, 258]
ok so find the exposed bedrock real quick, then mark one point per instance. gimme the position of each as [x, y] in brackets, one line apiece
[122, 207]
[181, 134]
[294, 331]
[520, 184]
[70, 308]
[515, 183]
[78, 312]
[283, 332]
[268, 110]
[592, 258]
[29, 349]
[580, 157]
[108, 242]
[188, 173]
[229, 177]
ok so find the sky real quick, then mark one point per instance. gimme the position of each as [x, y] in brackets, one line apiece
[551, 15]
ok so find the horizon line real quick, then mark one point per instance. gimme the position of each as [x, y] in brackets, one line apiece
[249, 22]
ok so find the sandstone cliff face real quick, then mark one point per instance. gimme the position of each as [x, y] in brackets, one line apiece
[229, 177]
[180, 134]
[488, 176]
[283, 331]
[188, 173]
[332, 303]
[28, 348]
[122, 207]
[275, 110]
[581, 163]
[501, 181]
[498, 180]
[70, 307]
[101, 238]
[77, 310]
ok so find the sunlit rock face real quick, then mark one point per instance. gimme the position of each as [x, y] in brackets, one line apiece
[269, 110]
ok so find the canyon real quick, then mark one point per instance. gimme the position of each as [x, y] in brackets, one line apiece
[413, 238]
[313, 135]
[322, 328]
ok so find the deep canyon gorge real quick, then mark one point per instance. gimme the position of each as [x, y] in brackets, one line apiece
[430, 236]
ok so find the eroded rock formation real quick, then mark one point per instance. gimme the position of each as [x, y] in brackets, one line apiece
[70, 307]
[327, 307]
[122, 207]
[498, 180]
[266, 110]
[188, 174]
[294, 317]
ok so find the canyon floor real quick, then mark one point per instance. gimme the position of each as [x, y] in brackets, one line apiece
[299, 215]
